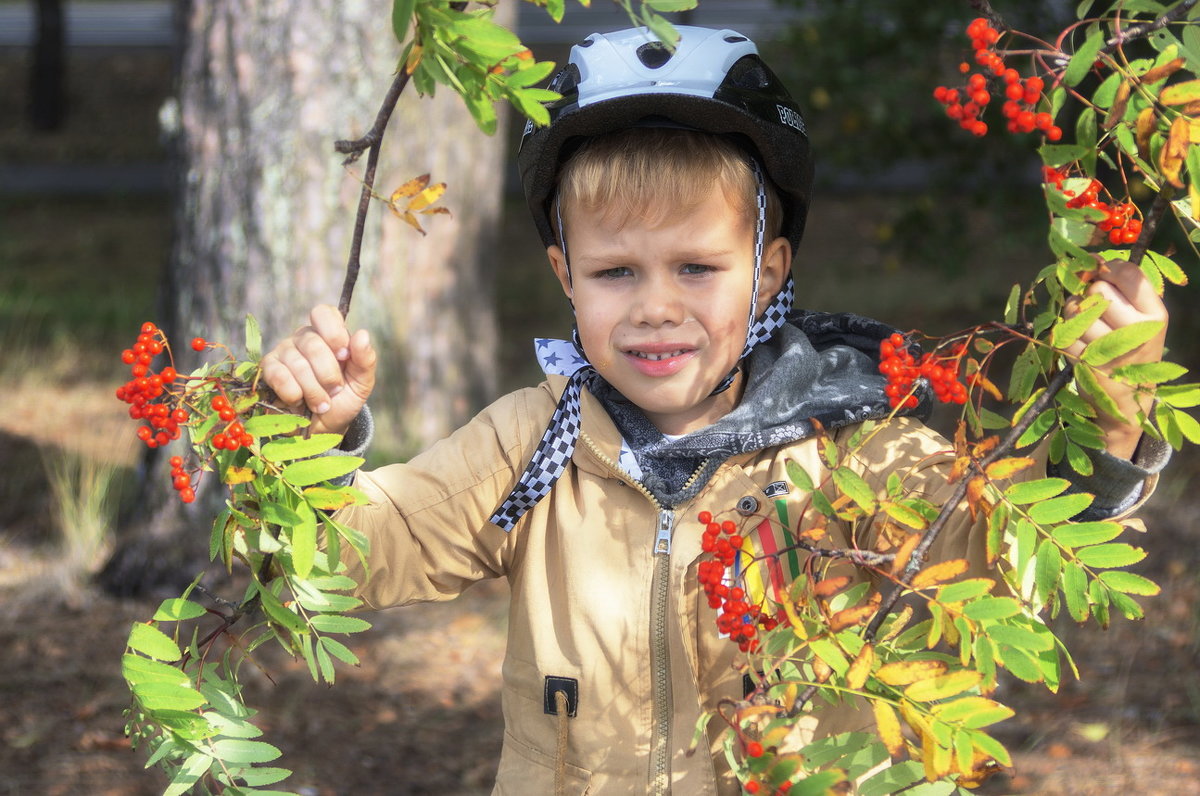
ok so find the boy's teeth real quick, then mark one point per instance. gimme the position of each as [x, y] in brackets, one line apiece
[657, 357]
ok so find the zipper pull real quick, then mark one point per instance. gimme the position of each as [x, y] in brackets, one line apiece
[662, 539]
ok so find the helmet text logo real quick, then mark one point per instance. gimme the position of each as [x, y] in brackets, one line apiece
[790, 117]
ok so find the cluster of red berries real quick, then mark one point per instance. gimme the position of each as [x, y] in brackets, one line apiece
[966, 105]
[902, 371]
[755, 786]
[234, 435]
[737, 618]
[144, 389]
[181, 480]
[1119, 222]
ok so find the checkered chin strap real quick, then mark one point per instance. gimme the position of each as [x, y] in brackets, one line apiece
[558, 442]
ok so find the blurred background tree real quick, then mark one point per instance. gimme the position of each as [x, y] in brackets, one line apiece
[264, 211]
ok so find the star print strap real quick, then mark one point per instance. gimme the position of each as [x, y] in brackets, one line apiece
[550, 459]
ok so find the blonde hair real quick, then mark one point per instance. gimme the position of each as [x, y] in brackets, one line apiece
[658, 173]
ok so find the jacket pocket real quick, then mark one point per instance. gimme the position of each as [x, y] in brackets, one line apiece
[526, 771]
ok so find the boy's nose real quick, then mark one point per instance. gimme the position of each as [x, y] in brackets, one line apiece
[657, 304]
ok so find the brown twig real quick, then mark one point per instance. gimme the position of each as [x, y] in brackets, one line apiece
[371, 142]
[984, 8]
[1145, 28]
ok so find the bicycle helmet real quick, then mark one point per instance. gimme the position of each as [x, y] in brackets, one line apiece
[713, 82]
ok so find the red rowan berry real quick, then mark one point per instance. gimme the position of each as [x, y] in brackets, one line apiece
[187, 495]
[199, 343]
[752, 786]
[754, 749]
[705, 517]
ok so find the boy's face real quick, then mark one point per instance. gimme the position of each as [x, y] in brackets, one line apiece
[662, 309]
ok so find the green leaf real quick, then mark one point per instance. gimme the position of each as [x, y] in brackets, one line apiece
[1085, 377]
[1149, 372]
[1164, 264]
[1108, 556]
[334, 623]
[151, 641]
[339, 650]
[1020, 638]
[1060, 508]
[892, 779]
[1129, 583]
[1081, 62]
[270, 425]
[670, 6]
[167, 696]
[262, 775]
[1068, 330]
[178, 609]
[314, 471]
[188, 774]
[1012, 306]
[239, 750]
[304, 541]
[1074, 586]
[253, 339]
[1061, 154]
[992, 608]
[964, 590]
[1126, 605]
[1036, 490]
[1119, 342]
[798, 476]
[1039, 428]
[289, 448]
[853, 486]
[1047, 569]
[905, 515]
[137, 669]
[1087, 533]
[402, 11]
[333, 498]
[1024, 374]
[232, 728]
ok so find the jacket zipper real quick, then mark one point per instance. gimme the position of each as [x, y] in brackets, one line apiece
[660, 661]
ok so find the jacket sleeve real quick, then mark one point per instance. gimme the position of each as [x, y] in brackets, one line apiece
[427, 519]
[923, 460]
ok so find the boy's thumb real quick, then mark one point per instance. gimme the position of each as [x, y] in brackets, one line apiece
[360, 367]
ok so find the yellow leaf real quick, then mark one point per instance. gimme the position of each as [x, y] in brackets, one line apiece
[975, 491]
[905, 672]
[436, 211]
[940, 573]
[831, 586]
[849, 617]
[414, 58]
[943, 686]
[938, 759]
[239, 475]
[905, 552]
[889, 728]
[1179, 93]
[860, 669]
[1147, 121]
[412, 221]
[1006, 468]
[427, 197]
[1117, 111]
[898, 623]
[410, 188]
[1174, 151]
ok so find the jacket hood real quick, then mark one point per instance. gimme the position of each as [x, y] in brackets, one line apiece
[821, 367]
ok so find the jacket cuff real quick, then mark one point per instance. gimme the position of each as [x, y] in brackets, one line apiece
[354, 442]
[1118, 484]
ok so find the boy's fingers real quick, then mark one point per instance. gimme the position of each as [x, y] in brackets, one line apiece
[327, 322]
[360, 365]
[280, 379]
[1132, 288]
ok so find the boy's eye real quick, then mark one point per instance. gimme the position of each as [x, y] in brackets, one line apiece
[696, 268]
[613, 273]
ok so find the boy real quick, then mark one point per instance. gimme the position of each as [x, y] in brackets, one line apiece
[671, 190]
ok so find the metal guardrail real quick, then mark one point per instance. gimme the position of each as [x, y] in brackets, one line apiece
[151, 24]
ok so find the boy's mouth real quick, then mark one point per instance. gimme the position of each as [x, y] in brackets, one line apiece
[658, 356]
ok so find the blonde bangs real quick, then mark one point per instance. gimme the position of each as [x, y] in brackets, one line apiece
[657, 174]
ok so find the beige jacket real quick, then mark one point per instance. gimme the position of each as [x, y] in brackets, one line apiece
[605, 598]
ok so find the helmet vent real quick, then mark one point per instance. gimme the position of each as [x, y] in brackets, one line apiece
[749, 73]
[735, 39]
[566, 80]
[653, 54]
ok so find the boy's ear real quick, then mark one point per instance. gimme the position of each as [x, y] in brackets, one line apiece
[558, 261]
[776, 262]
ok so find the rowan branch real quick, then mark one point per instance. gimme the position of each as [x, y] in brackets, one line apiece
[1143, 29]
[372, 142]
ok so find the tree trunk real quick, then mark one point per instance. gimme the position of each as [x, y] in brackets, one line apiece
[47, 100]
[264, 216]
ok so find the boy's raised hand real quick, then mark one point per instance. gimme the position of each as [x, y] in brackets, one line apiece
[325, 368]
[1131, 299]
